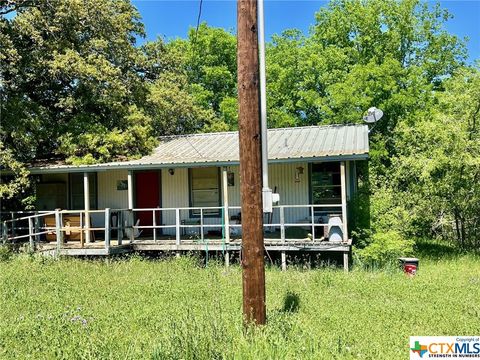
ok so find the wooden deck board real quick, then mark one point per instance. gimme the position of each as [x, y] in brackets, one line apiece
[98, 248]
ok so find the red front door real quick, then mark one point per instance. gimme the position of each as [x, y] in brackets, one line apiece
[147, 192]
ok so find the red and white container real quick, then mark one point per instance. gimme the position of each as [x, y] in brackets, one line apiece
[409, 265]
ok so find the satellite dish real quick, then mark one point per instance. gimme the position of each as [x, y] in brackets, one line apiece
[373, 115]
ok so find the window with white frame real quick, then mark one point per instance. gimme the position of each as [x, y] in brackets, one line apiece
[205, 190]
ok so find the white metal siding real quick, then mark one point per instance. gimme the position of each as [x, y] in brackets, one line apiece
[234, 191]
[291, 192]
[107, 193]
[174, 194]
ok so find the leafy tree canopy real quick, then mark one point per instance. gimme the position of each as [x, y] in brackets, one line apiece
[390, 54]
[70, 81]
[437, 169]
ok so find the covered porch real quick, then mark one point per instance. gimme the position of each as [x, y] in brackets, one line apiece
[185, 196]
[60, 237]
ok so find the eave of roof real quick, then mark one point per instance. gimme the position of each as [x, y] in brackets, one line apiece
[306, 144]
[147, 166]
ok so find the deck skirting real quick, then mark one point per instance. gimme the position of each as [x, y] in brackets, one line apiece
[98, 248]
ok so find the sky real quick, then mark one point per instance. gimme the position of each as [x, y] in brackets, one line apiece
[171, 19]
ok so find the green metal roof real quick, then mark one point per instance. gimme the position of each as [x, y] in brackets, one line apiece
[309, 143]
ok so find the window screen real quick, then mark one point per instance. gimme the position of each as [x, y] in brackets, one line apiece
[205, 190]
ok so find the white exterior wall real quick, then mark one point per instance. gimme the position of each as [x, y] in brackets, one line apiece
[234, 191]
[291, 192]
[281, 176]
[175, 193]
[107, 194]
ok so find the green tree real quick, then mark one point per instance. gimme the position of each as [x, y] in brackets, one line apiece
[69, 82]
[15, 182]
[386, 53]
[169, 99]
[209, 60]
[437, 169]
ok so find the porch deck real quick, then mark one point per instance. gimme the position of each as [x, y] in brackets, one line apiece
[72, 234]
[98, 247]
[76, 248]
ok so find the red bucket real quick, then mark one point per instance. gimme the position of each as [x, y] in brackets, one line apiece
[409, 265]
[410, 269]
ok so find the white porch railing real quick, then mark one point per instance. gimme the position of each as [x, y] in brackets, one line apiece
[286, 223]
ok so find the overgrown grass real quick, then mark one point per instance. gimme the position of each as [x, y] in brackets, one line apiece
[173, 309]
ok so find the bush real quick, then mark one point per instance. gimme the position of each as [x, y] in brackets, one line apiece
[383, 248]
[6, 252]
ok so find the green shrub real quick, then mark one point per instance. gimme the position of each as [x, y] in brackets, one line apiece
[383, 248]
[6, 252]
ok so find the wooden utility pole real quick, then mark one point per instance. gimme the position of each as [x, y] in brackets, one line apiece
[250, 164]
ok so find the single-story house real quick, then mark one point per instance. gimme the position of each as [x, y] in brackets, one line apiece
[188, 181]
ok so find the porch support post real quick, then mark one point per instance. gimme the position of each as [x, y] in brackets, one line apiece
[30, 234]
[107, 230]
[130, 189]
[345, 261]
[86, 199]
[284, 261]
[227, 258]
[177, 231]
[14, 225]
[344, 201]
[120, 227]
[37, 227]
[226, 217]
[131, 216]
[58, 230]
[4, 232]
[282, 224]
[344, 172]
[348, 169]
